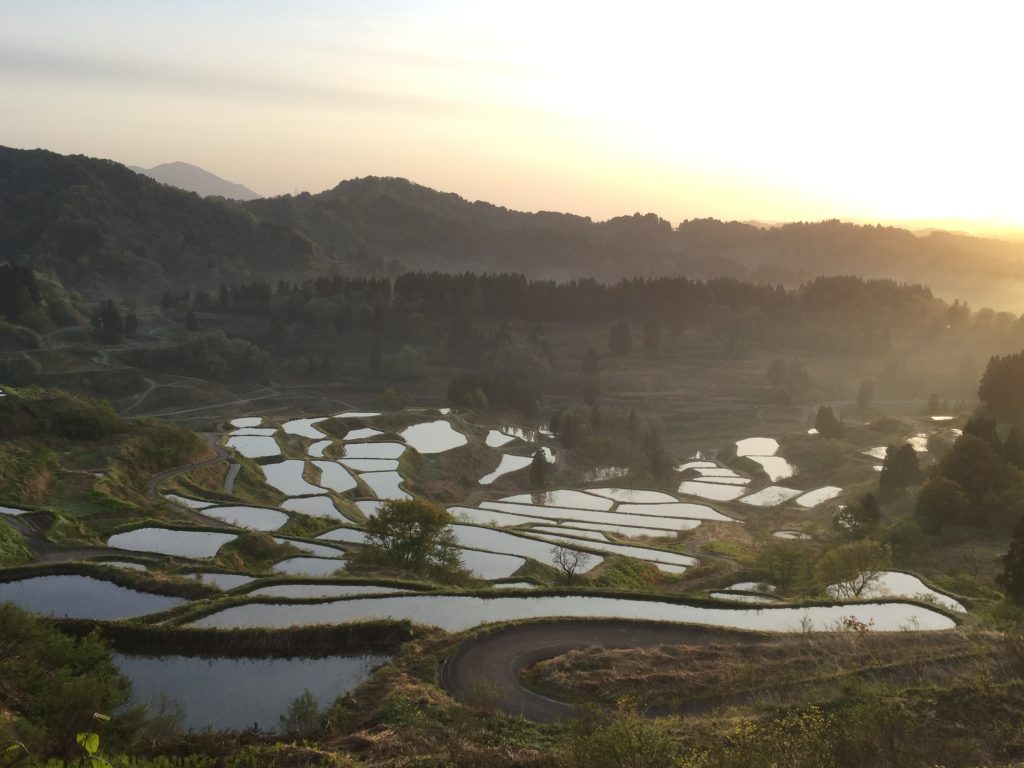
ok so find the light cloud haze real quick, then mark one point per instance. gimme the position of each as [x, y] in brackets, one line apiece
[774, 111]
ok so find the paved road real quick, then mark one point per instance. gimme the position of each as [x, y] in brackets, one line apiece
[499, 656]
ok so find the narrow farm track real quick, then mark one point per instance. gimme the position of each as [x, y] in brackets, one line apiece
[497, 658]
[32, 528]
[211, 441]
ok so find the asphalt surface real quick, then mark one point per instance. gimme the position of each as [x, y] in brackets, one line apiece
[498, 657]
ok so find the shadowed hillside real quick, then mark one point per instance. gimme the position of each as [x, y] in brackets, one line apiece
[104, 229]
[372, 223]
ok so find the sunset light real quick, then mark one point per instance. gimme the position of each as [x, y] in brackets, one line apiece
[467, 384]
[746, 110]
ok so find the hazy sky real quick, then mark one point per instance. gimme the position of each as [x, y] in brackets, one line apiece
[775, 110]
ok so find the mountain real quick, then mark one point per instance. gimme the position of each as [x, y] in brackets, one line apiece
[104, 229]
[192, 178]
[392, 224]
[107, 231]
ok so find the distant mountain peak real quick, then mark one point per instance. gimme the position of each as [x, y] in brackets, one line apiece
[192, 178]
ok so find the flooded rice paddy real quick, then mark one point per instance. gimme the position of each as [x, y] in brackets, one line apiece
[235, 694]
[507, 465]
[385, 485]
[314, 506]
[287, 477]
[372, 451]
[633, 495]
[304, 428]
[168, 541]
[711, 491]
[456, 613]
[496, 439]
[561, 498]
[370, 465]
[433, 437]
[83, 597]
[334, 477]
[254, 518]
[254, 446]
[771, 496]
[818, 496]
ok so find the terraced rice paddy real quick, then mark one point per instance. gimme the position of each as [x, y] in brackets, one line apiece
[562, 498]
[254, 518]
[590, 516]
[334, 477]
[314, 506]
[224, 581]
[899, 584]
[507, 465]
[385, 485]
[496, 439]
[456, 613]
[370, 465]
[185, 501]
[381, 450]
[532, 526]
[235, 694]
[711, 491]
[287, 477]
[818, 496]
[304, 428]
[247, 421]
[82, 597]
[433, 437]
[169, 541]
[255, 446]
[771, 496]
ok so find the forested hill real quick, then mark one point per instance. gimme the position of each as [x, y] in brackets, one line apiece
[371, 222]
[106, 230]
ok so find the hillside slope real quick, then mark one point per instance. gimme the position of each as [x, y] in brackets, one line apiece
[367, 223]
[105, 230]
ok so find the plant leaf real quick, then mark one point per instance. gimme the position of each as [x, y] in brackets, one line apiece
[90, 742]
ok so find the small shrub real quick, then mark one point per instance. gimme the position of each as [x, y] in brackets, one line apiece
[483, 695]
[302, 719]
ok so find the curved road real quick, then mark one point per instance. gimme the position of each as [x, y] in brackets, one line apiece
[211, 442]
[498, 657]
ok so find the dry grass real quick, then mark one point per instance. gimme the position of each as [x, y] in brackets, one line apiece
[788, 667]
[202, 482]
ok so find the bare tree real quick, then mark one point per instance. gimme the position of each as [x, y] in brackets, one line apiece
[852, 569]
[569, 560]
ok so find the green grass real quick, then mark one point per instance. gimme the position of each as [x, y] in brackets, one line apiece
[729, 549]
[626, 573]
[255, 552]
[12, 547]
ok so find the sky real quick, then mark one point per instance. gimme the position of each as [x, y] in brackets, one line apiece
[772, 111]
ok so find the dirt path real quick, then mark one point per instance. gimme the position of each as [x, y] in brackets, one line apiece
[32, 527]
[497, 658]
[211, 441]
[229, 478]
[138, 399]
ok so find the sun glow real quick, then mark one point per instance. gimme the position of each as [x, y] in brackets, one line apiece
[737, 109]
